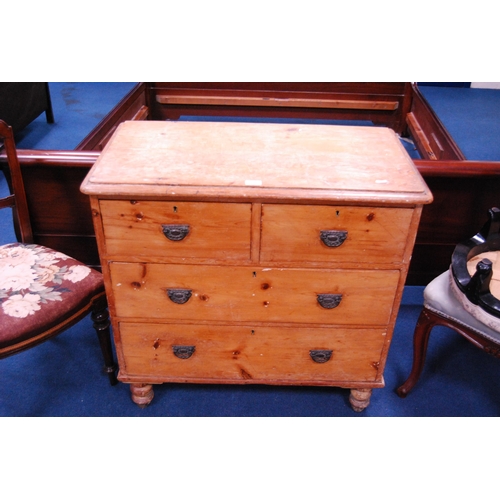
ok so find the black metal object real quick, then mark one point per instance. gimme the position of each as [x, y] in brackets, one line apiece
[179, 295]
[329, 300]
[175, 232]
[333, 238]
[183, 351]
[476, 287]
[320, 355]
[479, 284]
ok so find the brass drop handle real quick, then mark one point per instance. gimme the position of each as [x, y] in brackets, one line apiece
[320, 355]
[329, 300]
[175, 232]
[179, 295]
[333, 239]
[183, 351]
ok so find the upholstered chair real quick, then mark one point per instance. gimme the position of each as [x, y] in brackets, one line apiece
[465, 298]
[42, 291]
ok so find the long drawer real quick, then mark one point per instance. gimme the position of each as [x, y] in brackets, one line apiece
[208, 293]
[158, 229]
[301, 233]
[238, 353]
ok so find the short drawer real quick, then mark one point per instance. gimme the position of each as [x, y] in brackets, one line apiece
[153, 230]
[250, 354]
[208, 293]
[301, 233]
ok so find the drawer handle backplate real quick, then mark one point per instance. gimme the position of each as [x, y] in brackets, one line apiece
[320, 356]
[175, 232]
[329, 300]
[179, 295]
[333, 238]
[183, 351]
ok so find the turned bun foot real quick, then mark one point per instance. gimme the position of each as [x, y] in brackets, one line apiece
[142, 394]
[360, 399]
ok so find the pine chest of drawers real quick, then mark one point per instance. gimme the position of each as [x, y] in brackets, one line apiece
[254, 253]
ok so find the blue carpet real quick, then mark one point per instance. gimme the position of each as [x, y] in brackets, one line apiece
[63, 377]
[7, 234]
[471, 116]
[78, 108]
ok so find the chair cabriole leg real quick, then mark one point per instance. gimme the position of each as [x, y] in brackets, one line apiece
[425, 323]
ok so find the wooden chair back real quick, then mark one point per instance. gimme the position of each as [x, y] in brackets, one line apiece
[17, 200]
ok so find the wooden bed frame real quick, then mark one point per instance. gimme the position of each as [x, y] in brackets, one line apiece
[463, 190]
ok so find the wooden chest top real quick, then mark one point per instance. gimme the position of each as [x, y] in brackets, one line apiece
[257, 161]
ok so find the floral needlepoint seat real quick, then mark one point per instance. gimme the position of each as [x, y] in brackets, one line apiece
[43, 291]
[35, 282]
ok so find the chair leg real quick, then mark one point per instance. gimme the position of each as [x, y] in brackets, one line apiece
[425, 323]
[100, 317]
[49, 112]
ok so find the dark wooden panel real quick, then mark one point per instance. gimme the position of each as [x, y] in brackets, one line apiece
[60, 214]
[462, 197]
[56, 204]
[22, 102]
[459, 209]
[427, 262]
[82, 248]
